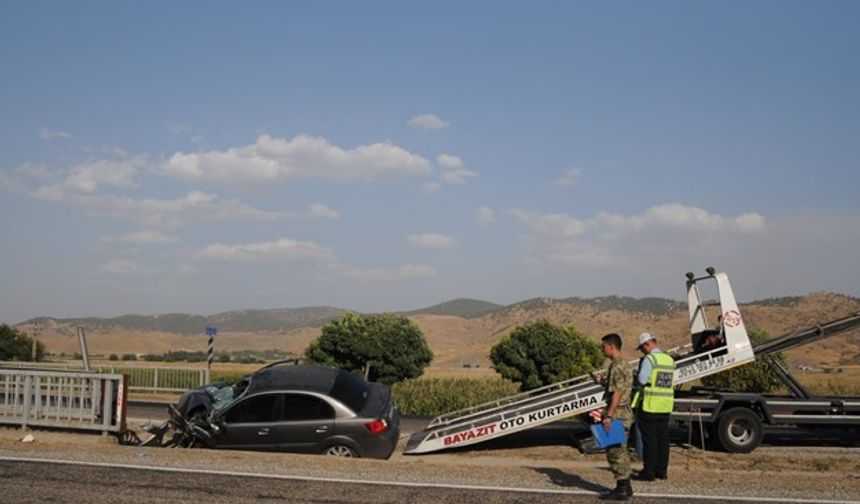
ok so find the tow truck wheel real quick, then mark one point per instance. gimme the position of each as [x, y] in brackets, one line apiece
[739, 430]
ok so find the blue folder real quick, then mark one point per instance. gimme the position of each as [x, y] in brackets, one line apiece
[615, 436]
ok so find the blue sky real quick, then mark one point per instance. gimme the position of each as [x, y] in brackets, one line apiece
[204, 156]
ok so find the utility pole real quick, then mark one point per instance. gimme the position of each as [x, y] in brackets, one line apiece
[37, 330]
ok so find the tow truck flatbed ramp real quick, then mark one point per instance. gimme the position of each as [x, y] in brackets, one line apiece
[580, 395]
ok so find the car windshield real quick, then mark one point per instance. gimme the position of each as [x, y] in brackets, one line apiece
[223, 396]
[350, 390]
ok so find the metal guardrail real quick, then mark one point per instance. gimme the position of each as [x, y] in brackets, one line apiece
[140, 379]
[63, 399]
[161, 379]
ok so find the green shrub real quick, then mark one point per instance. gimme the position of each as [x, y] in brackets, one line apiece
[435, 396]
[17, 346]
[541, 353]
[392, 346]
[757, 377]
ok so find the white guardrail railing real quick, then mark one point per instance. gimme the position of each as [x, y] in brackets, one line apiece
[63, 399]
[140, 378]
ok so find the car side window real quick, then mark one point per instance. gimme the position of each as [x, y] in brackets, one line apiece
[255, 409]
[305, 407]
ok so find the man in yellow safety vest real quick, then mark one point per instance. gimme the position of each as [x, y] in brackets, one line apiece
[653, 402]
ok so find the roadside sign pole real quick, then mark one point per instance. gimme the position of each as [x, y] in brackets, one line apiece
[82, 343]
[211, 332]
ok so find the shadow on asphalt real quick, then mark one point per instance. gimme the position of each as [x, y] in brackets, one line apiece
[567, 480]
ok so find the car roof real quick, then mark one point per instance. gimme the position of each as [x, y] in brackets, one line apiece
[299, 377]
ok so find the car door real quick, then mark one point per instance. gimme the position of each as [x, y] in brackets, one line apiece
[251, 423]
[306, 420]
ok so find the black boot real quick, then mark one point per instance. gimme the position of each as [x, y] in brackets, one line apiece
[621, 492]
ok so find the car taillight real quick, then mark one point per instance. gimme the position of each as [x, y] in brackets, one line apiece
[377, 426]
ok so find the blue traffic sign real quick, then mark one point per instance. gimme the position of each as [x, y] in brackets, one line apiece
[211, 331]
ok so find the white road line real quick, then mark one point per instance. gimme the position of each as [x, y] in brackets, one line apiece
[287, 477]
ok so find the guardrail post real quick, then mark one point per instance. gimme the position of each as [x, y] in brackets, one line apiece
[107, 405]
[28, 391]
[155, 380]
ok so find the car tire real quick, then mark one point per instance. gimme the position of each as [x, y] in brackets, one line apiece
[739, 430]
[340, 450]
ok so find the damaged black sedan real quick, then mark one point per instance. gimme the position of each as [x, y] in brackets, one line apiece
[296, 408]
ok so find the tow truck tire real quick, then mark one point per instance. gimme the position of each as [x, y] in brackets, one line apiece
[739, 430]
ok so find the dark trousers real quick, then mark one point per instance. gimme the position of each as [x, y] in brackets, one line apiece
[655, 442]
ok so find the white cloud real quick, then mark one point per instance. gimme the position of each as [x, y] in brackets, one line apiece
[431, 187]
[485, 216]
[323, 212]
[456, 176]
[125, 267]
[568, 177]
[431, 240]
[194, 206]
[427, 121]
[11, 184]
[404, 272]
[52, 193]
[176, 128]
[286, 249]
[557, 225]
[183, 130]
[670, 230]
[88, 177]
[449, 161]
[302, 157]
[142, 238]
[674, 215]
[36, 171]
[283, 248]
[452, 173]
[49, 134]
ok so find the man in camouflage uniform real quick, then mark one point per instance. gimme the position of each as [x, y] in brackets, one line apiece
[619, 384]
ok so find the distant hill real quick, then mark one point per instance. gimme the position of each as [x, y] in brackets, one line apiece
[276, 320]
[460, 332]
[462, 307]
[650, 305]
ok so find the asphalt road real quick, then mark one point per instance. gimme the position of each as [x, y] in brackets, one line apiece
[26, 482]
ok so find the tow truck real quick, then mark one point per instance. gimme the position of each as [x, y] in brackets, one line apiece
[736, 420]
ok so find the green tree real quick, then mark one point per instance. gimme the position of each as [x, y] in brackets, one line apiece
[755, 377]
[113, 357]
[541, 353]
[393, 347]
[129, 357]
[17, 346]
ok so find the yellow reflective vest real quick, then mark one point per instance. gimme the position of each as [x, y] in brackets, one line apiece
[657, 395]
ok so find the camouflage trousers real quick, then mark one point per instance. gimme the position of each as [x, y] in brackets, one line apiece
[618, 457]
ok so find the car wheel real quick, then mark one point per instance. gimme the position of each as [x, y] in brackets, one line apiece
[340, 450]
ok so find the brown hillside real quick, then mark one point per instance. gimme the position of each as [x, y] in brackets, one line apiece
[458, 341]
